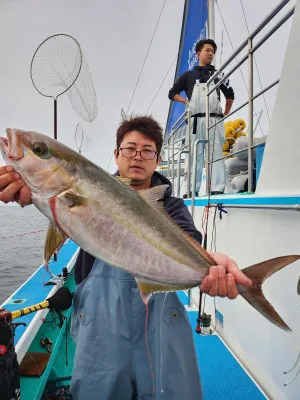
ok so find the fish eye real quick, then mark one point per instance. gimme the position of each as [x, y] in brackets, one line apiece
[40, 149]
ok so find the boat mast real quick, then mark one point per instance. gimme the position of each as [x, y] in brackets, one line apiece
[211, 19]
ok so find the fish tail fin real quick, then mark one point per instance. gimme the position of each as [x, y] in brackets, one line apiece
[258, 273]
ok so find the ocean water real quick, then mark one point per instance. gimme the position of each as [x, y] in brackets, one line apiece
[22, 236]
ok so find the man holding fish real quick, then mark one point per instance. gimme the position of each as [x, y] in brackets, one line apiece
[133, 338]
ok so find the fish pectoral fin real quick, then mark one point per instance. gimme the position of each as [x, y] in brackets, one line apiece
[154, 195]
[70, 199]
[54, 240]
[258, 273]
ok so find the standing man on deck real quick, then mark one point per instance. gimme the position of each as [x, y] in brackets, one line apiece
[193, 83]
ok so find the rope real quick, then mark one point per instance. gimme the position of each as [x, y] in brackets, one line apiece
[236, 59]
[152, 101]
[258, 74]
[222, 45]
[22, 234]
[207, 155]
[176, 57]
[137, 82]
[205, 218]
[214, 233]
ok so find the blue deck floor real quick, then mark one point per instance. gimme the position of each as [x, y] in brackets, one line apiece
[222, 376]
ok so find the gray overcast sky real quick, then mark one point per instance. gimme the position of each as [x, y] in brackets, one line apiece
[115, 36]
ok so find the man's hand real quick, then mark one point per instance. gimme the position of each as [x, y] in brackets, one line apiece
[12, 187]
[223, 277]
[181, 99]
[228, 106]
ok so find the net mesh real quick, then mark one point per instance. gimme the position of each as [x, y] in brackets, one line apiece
[82, 94]
[81, 139]
[56, 64]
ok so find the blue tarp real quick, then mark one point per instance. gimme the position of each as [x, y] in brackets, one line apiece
[194, 28]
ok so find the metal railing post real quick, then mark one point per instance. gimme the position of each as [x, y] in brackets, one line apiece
[189, 158]
[178, 169]
[195, 161]
[207, 170]
[173, 177]
[250, 117]
[168, 155]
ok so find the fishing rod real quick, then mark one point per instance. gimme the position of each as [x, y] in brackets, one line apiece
[9, 366]
[61, 300]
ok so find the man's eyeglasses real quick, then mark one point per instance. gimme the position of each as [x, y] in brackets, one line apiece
[131, 152]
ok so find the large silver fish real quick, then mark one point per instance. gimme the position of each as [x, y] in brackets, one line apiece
[126, 228]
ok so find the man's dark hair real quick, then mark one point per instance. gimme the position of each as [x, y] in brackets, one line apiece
[143, 124]
[200, 44]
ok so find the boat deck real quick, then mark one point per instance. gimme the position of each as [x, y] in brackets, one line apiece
[222, 376]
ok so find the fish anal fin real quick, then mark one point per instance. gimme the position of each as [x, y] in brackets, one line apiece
[54, 240]
[145, 296]
[258, 273]
[148, 287]
[145, 290]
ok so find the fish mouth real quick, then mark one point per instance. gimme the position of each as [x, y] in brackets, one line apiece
[3, 145]
[4, 141]
[11, 146]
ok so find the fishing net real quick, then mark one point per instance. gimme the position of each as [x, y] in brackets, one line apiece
[81, 139]
[82, 94]
[56, 65]
[123, 114]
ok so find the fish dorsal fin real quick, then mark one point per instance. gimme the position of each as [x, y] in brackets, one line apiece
[196, 245]
[125, 181]
[156, 193]
[153, 196]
